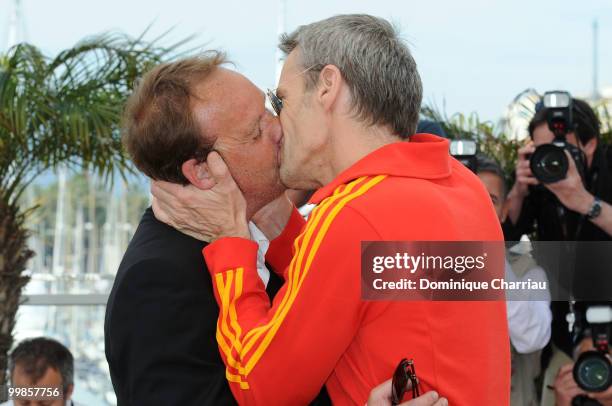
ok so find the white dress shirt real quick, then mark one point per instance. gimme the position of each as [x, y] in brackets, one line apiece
[529, 320]
[263, 243]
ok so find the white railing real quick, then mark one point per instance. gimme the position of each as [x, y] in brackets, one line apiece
[61, 299]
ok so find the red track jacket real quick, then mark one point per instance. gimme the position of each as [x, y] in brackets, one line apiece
[318, 330]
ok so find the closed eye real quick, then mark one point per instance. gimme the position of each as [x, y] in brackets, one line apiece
[257, 131]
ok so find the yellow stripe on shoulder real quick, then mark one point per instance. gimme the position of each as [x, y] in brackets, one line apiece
[336, 206]
[301, 243]
[317, 226]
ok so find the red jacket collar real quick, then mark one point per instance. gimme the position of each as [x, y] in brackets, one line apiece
[425, 156]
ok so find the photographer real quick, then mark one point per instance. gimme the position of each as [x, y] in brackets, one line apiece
[568, 198]
[574, 208]
[527, 205]
[591, 330]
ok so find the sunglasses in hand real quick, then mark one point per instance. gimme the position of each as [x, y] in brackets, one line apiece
[404, 378]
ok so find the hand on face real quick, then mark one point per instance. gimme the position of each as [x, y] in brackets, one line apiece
[206, 215]
[571, 191]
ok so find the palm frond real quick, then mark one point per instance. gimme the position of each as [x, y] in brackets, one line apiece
[66, 109]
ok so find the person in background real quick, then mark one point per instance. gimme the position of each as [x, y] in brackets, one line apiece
[42, 363]
[529, 315]
[574, 209]
[566, 390]
[430, 127]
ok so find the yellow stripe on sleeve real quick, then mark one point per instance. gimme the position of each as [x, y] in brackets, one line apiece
[296, 276]
[295, 265]
[319, 237]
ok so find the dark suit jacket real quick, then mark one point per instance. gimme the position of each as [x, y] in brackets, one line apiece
[161, 321]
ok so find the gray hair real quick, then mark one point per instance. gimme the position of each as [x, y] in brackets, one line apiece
[376, 64]
[36, 355]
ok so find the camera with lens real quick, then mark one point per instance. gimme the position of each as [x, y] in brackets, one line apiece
[592, 370]
[549, 162]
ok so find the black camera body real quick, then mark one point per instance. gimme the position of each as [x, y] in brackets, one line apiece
[592, 370]
[548, 162]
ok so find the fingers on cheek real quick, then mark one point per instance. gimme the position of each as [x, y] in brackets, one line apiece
[165, 211]
[178, 196]
[164, 218]
[159, 213]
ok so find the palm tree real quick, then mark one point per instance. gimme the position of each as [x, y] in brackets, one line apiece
[58, 111]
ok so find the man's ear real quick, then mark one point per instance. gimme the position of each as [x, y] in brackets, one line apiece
[330, 84]
[198, 174]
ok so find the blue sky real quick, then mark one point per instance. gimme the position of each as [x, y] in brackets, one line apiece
[473, 55]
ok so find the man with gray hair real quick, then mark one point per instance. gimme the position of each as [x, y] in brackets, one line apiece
[348, 100]
[45, 364]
